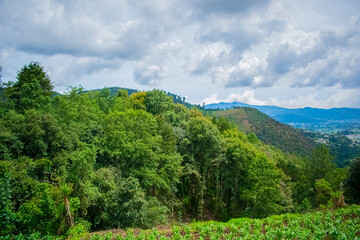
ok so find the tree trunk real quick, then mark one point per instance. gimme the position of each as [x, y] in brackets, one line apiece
[68, 213]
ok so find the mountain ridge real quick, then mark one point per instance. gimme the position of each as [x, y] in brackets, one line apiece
[309, 118]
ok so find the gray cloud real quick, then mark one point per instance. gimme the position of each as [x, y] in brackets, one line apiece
[254, 44]
[148, 75]
[80, 28]
[291, 57]
[207, 7]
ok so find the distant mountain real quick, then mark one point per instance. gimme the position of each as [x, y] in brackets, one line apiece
[327, 120]
[268, 130]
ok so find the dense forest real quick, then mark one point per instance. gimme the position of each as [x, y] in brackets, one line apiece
[85, 161]
[268, 130]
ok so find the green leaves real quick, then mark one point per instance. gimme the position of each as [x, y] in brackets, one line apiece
[120, 161]
[157, 102]
[6, 214]
[32, 89]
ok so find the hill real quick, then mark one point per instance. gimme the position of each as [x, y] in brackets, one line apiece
[314, 119]
[176, 98]
[269, 130]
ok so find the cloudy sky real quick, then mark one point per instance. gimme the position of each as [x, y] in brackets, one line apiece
[284, 53]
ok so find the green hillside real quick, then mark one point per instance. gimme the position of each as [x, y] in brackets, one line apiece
[268, 130]
[91, 161]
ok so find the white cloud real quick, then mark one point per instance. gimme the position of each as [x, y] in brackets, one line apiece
[248, 97]
[350, 98]
[261, 44]
[286, 54]
[162, 63]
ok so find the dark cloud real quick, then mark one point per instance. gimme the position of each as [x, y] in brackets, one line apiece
[281, 60]
[207, 7]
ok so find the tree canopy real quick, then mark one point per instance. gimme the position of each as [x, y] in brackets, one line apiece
[99, 160]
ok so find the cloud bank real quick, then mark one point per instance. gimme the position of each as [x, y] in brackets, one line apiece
[231, 45]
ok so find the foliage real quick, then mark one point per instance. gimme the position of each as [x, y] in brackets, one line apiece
[352, 186]
[340, 224]
[285, 137]
[341, 147]
[6, 215]
[85, 161]
[32, 88]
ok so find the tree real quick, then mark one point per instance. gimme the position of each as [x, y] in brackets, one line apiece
[127, 206]
[66, 189]
[156, 101]
[2, 94]
[264, 194]
[32, 89]
[200, 146]
[320, 164]
[6, 214]
[352, 184]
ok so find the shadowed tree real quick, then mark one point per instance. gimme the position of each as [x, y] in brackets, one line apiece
[352, 185]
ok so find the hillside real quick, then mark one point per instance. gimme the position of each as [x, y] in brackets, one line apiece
[314, 119]
[341, 147]
[115, 90]
[90, 161]
[269, 130]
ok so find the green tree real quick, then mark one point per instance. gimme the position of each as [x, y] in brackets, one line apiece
[32, 89]
[6, 214]
[127, 206]
[264, 194]
[11, 127]
[352, 184]
[200, 146]
[320, 164]
[234, 172]
[80, 173]
[40, 212]
[66, 190]
[157, 101]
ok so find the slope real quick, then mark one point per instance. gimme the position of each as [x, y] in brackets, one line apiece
[314, 119]
[269, 130]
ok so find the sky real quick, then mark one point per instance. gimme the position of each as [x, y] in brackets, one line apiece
[286, 53]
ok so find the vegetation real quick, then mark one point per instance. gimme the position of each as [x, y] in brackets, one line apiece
[268, 130]
[326, 224]
[87, 161]
[341, 147]
[313, 119]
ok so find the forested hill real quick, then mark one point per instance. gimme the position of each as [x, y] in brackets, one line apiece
[310, 118]
[176, 98]
[268, 130]
[94, 160]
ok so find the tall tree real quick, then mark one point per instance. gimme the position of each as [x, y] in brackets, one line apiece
[320, 164]
[32, 89]
[6, 215]
[352, 184]
[157, 101]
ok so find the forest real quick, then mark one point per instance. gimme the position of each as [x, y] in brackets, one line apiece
[94, 160]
